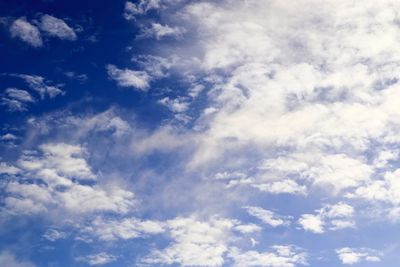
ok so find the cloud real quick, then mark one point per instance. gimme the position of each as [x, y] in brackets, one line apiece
[20, 95]
[247, 228]
[157, 66]
[303, 98]
[142, 7]
[66, 160]
[57, 28]
[194, 243]
[97, 259]
[160, 31]
[9, 260]
[27, 32]
[75, 76]
[280, 256]
[16, 99]
[7, 169]
[54, 235]
[8, 137]
[335, 217]
[176, 105]
[268, 217]
[40, 85]
[352, 256]
[129, 78]
[61, 181]
[127, 228]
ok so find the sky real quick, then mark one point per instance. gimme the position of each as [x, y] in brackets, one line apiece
[199, 133]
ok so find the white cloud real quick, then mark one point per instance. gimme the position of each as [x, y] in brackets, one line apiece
[75, 76]
[16, 99]
[60, 176]
[312, 223]
[40, 85]
[142, 7]
[159, 67]
[247, 228]
[57, 27]
[160, 31]
[195, 243]
[304, 91]
[8, 137]
[352, 256]
[67, 160]
[9, 260]
[54, 235]
[268, 217]
[20, 95]
[13, 105]
[97, 259]
[129, 78]
[177, 105]
[280, 256]
[27, 32]
[127, 228]
[333, 217]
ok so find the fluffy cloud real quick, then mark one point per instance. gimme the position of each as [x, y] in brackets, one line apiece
[60, 182]
[57, 27]
[300, 88]
[27, 32]
[129, 78]
[195, 243]
[352, 256]
[334, 217]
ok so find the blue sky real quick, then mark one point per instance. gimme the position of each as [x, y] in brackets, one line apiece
[199, 133]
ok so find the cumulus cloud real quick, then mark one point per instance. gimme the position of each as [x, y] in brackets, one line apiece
[333, 217]
[60, 176]
[307, 93]
[129, 78]
[57, 27]
[352, 256]
[194, 243]
[26, 31]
